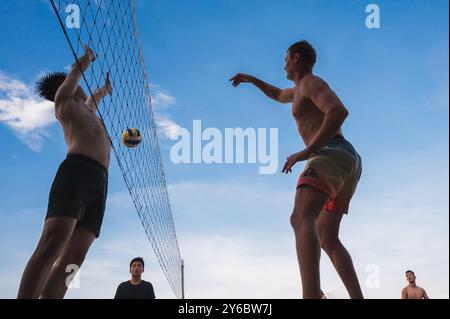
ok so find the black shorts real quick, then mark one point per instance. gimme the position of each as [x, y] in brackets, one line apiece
[79, 191]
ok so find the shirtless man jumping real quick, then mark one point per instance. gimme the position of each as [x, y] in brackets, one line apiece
[412, 291]
[78, 194]
[331, 174]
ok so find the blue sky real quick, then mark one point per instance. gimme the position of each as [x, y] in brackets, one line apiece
[232, 223]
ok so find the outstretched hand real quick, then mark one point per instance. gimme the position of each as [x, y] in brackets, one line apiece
[241, 78]
[89, 53]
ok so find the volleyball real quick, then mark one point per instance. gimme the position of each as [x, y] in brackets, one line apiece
[131, 137]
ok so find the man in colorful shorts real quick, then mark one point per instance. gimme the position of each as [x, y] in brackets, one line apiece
[332, 172]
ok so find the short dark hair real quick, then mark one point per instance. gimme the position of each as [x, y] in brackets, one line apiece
[306, 52]
[138, 259]
[410, 272]
[49, 84]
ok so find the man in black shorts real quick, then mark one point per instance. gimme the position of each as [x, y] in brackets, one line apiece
[136, 288]
[78, 194]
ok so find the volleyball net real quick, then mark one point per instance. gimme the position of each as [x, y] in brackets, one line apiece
[109, 28]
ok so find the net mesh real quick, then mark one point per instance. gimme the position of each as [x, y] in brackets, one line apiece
[109, 28]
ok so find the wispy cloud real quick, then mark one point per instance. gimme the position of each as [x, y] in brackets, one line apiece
[162, 102]
[26, 114]
[167, 127]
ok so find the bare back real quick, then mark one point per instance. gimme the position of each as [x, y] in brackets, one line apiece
[307, 115]
[83, 130]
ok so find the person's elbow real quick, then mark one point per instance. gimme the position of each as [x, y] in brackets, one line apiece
[284, 96]
[339, 112]
[278, 96]
[343, 111]
[282, 100]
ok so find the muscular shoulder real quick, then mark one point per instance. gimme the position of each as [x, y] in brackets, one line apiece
[62, 99]
[63, 108]
[313, 83]
[421, 289]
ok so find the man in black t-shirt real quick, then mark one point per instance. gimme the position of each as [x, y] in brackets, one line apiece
[136, 288]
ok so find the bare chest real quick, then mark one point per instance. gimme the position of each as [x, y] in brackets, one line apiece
[307, 116]
[304, 109]
[415, 293]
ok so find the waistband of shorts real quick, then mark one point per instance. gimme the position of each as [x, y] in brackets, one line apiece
[89, 161]
[339, 142]
[338, 137]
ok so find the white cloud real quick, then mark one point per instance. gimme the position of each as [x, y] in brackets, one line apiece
[258, 205]
[30, 116]
[162, 102]
[244, 265]
[398, 220]
[25, 113]
[245, 248]
[167, 127]
[250, 265]
[237, 243]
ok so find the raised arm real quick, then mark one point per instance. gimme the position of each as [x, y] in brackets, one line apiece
[69, 86]
[279, 95]
[96, 98]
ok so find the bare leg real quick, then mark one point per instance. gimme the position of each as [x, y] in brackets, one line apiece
[74, 254]
[328, 225]
[309, 201]
[55, 235]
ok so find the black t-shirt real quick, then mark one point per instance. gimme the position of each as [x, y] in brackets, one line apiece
[128, 291]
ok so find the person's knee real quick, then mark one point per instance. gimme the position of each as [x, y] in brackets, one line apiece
[75, 253]
[329, 243]
[293, 219]
[76, 257]
[299, 220]
[51, 245]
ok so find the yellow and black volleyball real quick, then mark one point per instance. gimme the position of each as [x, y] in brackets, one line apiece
[131, 137]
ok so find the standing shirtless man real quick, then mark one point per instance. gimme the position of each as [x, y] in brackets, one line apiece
[412, 291]
[78, 194]
[332, 172]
